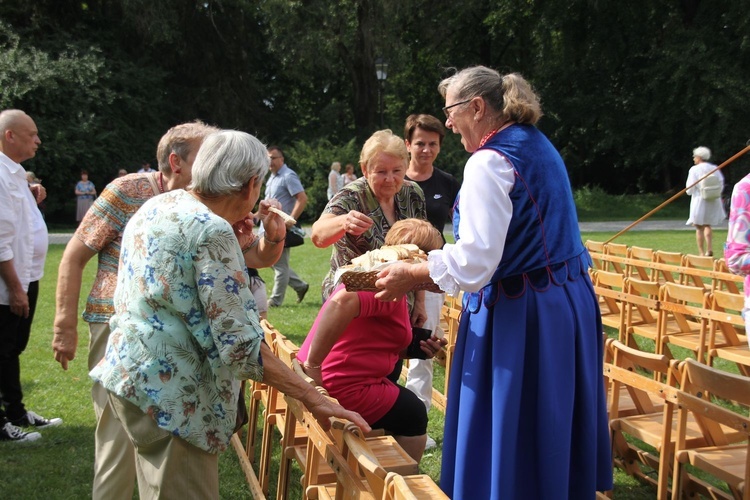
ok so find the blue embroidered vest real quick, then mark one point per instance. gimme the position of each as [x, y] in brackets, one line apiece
[543, 242]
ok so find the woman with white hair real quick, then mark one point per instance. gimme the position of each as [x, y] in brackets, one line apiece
[186, 331]
[706, 209]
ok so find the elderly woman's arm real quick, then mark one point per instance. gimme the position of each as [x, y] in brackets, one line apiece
[330, 228]
[278, 375]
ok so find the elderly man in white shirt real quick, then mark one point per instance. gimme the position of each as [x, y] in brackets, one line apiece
[23, 249]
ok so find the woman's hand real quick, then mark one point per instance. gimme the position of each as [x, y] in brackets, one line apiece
[355, 223]
[323, 409]
[397, 279]
[432, 346]
[243, 230]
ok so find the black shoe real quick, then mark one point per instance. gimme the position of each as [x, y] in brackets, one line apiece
[9, 432]
[301, 293]
[32, 419]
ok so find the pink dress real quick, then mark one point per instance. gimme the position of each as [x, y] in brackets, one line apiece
[355, 370]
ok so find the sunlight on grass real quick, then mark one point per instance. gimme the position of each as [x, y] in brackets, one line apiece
[61, 464]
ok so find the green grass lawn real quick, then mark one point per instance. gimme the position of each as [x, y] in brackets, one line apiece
[60, 465]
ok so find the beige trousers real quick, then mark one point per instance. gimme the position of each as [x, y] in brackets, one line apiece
[114, 454]
[168, 467]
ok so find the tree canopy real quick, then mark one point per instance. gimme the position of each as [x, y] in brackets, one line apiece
[628, 88]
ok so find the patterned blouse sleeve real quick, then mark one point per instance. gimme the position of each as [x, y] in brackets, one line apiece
[737, 249]
[224, 292]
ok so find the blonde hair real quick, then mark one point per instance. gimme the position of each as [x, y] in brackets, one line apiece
[383, 141]
[511, 96]
[416, 231]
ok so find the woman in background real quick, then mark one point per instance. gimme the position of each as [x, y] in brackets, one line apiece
[349, 175]
[85, 192]
[334, 180]
[704, 213]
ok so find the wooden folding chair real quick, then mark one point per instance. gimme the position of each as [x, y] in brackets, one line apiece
[293, 432]
[646, 376]
[641, 307]
[450, 319]
[609, 287]
[273, 416]
[321, 451]
[415, 487]
[629, 401]
[258, 392]
[617, 250]
[364, 459]
[719, 458]
[596, 248]
[641, 271]
[727, 319]
[725, 280]
[687, 306]
[700, 262]
[664, 274]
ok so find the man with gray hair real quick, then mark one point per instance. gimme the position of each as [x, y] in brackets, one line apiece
[23, 249]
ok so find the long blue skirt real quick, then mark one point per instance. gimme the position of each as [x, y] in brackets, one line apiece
[526, 414]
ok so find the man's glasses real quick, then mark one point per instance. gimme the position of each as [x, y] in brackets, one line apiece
[446, 108]
[275, 157]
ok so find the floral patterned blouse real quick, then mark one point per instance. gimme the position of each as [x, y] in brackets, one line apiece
[185, 329]
[358, 196]
[737, 248]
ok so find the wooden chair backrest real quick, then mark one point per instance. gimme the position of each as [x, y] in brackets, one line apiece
[671, 258]
[636, 270]
[697, 382]
[704, 262]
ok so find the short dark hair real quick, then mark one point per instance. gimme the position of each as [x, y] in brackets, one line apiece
[276, 148]
[425, 122]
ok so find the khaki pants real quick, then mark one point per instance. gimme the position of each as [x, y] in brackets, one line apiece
[168, 467]
[114, 454]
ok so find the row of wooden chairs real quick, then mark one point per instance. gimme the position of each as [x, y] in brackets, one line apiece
[661, 266]
[449, 321]
[708, 323]
[323, 455]
[667, 414]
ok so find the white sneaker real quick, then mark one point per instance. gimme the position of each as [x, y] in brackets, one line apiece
[430, 444]
[10, 432]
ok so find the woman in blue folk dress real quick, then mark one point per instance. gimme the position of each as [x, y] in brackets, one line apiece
[526, 413]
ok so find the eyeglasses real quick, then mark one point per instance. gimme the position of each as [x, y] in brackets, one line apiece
[446, 108]
[275, 157]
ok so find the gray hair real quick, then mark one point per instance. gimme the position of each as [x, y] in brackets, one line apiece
[226, 161]
[511, 96]
[182, 140]
[702, 152]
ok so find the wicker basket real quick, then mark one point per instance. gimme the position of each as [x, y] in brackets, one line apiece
[364, 281]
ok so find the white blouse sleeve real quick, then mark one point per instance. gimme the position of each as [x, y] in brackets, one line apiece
[486, 210]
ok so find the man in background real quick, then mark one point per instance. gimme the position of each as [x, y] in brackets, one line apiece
[23, 250]
[284, 185]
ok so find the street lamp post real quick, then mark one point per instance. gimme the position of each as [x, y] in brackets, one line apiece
[381, 72]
